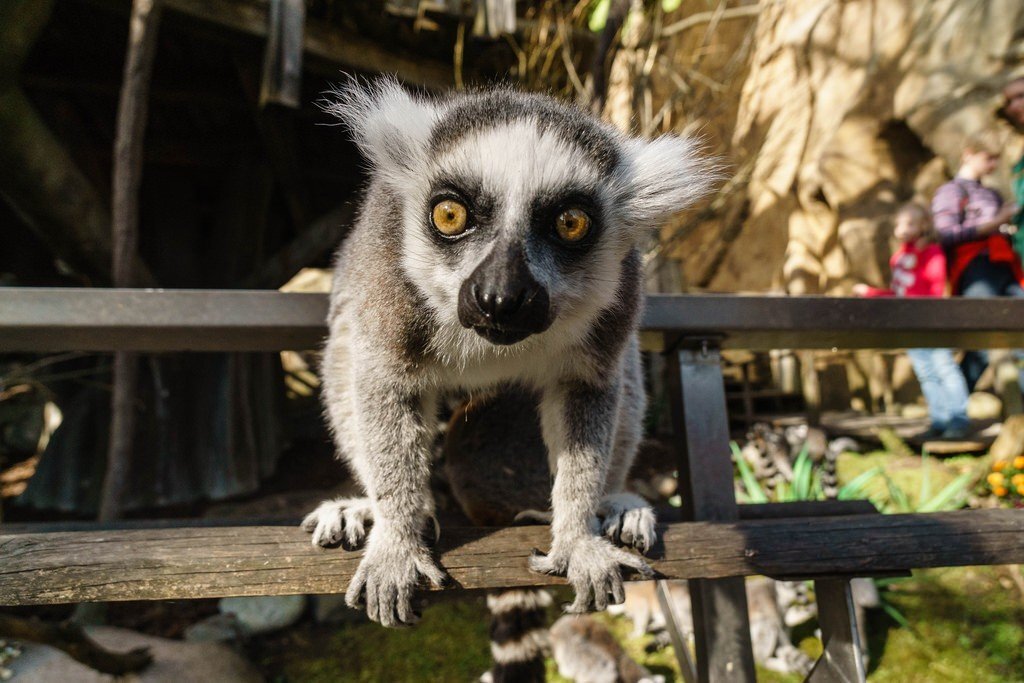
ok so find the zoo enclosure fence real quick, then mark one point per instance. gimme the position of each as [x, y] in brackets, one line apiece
[715, 547]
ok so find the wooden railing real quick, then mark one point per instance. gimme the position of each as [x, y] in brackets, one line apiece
[718, 544]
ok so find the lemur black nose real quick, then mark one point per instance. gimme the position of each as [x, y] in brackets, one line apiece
[495, 305]
[502, 301]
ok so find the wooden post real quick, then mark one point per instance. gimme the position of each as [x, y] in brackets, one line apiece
[282, 59]
[720, 622]
[127, 177]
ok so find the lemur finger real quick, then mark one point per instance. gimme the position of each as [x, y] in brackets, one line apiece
[618, 591]
[387, 605]
[438, 577]
[634, 562]
[324, 535]
[403, 608]
[642, 524]
[539, 562]
[581, 605]
[310, 521]
[372, 605]
[627, 534]
[355, 595]
[601, 589]
[355, 534]
[613, 528]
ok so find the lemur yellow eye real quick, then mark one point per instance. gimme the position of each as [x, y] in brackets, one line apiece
[572, 225]
[449, 217]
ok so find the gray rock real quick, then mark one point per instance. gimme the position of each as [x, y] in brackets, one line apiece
[217, 628]
[330, 608]
[982, 405]
[263, 614]
[173, 661]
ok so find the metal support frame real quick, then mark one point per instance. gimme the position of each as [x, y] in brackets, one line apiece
[841, 661]
[720, 622]
[675, 632]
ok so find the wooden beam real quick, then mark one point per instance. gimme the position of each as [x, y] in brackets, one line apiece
[156, 564]
[323, 40]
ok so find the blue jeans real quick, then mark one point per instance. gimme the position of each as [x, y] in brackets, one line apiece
[982, 278]
[943, 387]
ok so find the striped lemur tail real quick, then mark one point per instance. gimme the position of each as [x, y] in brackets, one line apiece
[497, 467]
[519, 635]
[495, 473]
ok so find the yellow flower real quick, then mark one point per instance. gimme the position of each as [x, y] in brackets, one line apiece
[1000, 491]
[1017, 479]
[1020, 489]
[1018, 462]
[998, 465]
[996, 479]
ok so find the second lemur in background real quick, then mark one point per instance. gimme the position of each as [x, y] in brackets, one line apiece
[919, 269]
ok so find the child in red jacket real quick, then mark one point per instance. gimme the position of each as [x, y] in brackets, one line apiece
[919, 269]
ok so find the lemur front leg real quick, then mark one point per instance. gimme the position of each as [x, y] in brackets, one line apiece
[578, 422]
[626, 518]
[394, 467]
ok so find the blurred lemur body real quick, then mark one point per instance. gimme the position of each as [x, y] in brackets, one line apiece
[496, 246]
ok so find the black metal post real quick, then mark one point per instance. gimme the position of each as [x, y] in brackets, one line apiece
[720, 621]
[841, 660]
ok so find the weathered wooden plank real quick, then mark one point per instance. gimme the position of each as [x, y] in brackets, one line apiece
[53, 319]
[263, 560]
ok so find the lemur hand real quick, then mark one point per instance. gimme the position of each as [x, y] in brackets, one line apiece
[342, 520]
[387, 576]
[628, 521]
[591, 564]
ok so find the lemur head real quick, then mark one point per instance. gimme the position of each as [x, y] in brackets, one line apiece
[517, 210]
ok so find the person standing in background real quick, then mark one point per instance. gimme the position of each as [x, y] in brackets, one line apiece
[973, 225]
[919, 269]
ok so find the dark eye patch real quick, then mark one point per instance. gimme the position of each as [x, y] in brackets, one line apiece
[545, 210]
[480, 205]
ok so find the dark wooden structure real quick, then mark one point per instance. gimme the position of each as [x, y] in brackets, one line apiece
[717, 544]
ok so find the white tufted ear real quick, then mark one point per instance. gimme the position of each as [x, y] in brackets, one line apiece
[664, 176]
[389, 124]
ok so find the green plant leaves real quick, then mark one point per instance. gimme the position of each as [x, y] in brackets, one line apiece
[599, 15]
[753, 488]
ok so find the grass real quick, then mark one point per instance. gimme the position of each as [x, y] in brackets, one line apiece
[966, 627]
[449, 644]
[905, 472]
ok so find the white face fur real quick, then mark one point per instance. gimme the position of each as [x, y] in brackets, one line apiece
[509, 168]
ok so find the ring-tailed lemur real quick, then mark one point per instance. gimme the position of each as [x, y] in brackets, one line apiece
[496, 243]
